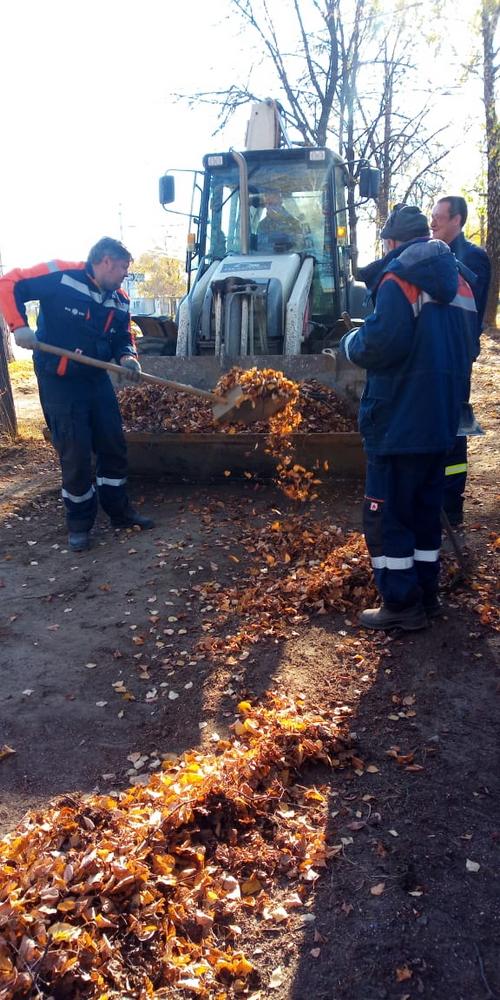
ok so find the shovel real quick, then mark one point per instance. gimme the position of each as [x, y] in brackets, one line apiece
[235, 406]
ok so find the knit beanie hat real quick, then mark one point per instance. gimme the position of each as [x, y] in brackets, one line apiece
[406, 222]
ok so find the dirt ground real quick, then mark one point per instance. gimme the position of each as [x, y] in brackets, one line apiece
[86, 682]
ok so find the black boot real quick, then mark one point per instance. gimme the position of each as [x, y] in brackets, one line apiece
[131, 519]
[433, 607]
[408, 619]
[79, 541]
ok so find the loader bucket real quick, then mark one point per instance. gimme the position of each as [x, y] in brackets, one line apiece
[204, 372]
[205, 458]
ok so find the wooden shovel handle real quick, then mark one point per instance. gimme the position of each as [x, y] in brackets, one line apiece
[82, 359]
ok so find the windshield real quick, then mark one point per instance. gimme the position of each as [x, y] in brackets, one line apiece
[287, 208]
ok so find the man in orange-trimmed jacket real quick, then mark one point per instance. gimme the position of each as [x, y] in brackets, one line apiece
[82, 309]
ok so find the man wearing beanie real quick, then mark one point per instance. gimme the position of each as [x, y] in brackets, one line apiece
[417, 347]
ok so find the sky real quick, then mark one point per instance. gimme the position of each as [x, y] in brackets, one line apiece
[89, 123]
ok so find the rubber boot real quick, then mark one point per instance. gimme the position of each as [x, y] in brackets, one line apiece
[131, 519]
[79, 541]
[409, 619]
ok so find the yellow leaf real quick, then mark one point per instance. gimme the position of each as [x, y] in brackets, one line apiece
[63, 932]
[244, 707]
[66, 905]
[312, 795]
[242, 967]
[251, 886]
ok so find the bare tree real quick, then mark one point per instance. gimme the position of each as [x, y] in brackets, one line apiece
[340, 81]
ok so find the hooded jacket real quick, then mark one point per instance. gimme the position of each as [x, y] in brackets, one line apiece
[417, 347]
[74, 314]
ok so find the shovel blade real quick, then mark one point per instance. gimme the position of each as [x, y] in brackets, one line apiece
[237, 407]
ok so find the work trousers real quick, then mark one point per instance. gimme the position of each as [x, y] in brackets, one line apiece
[402, 525]
[454, 481]
[84, 418]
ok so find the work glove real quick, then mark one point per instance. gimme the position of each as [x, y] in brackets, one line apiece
[132, 369]
[24, 336]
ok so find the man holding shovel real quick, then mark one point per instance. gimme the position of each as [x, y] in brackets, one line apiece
[82, 309]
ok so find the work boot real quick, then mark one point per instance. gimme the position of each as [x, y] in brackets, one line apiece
[79, 541]
[433, 607]
[408, 619]
[131, 519]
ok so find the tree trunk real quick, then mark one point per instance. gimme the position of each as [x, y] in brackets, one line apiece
[8, 422]
[489, 20]
[385, 191]
[5, 333]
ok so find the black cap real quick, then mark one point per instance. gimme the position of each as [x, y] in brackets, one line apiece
[406, 222]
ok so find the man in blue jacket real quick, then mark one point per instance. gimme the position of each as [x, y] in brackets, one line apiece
[449, 216]
[82, 309]
[417, 347]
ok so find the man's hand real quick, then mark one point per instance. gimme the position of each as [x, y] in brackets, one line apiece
[24, 336]
[132, 369]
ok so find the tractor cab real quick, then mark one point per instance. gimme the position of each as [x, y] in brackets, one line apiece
[296, 206]
[269, 267]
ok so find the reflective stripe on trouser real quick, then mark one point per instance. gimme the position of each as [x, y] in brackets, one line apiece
[455, 480]
[83, 418]
[401, 519]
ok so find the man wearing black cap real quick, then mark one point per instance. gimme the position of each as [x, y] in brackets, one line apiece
[417, 347]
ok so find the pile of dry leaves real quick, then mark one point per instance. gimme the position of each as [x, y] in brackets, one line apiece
[151, 408]
[298, 567]
[139, 893]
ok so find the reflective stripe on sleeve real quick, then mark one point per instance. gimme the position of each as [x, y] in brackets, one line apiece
[78, 499]
[426, 555]
[104, 481]
[347, 341]
[455, 470]
[392, 562]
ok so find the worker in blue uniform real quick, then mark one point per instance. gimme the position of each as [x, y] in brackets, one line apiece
[417, 348]
[449, 216]
[84, 309]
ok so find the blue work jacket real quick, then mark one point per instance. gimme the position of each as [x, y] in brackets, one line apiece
[74, 314]
[417, 347]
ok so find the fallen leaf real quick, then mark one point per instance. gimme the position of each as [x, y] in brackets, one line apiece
[377, 890]
[403, 973]
[472, 866]
[277, 978]
[6, 751]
